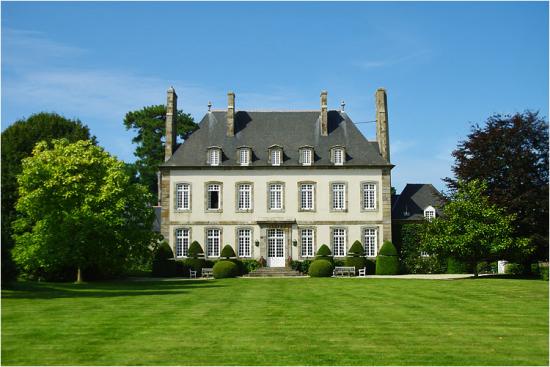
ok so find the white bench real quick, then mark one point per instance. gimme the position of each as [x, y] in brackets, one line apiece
[344, 270]
[207, 273]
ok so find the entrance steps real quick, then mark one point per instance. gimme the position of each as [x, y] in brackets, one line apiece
[273, 272]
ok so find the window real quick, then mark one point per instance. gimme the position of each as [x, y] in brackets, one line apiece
[244, 199]
[308, 249]
[276, 157]
[182, 242]
[429, 213]
[214, 156]
[306, 196]
[369, 196]
[338, 196]
[370, 241]
[213, 198]
[213, 242]
[339, 242]
[182, 196]
[276, 197]
[338, 155]
[424, 254]
[306, 156]
[244, 241]
[244, 156]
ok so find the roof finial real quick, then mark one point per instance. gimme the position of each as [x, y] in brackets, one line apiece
[209, 106]
[342, 104]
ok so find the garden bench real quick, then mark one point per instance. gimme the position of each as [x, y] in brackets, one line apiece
[192, 273]
[207, 272]
[344, 270]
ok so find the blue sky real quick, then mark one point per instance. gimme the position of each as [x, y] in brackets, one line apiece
[444, 65]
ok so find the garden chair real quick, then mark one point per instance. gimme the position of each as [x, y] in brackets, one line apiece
[362, 272]
[192, 273]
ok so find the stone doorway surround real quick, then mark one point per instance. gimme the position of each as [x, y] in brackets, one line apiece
[285, 225]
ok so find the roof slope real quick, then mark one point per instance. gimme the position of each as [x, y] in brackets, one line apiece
[410, 204]
[290, 130]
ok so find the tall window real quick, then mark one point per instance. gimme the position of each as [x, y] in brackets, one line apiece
[370, 241]
[369, 196]
[214, 157]
[338, 156]
[213, 199]
[276, 157]
[339, 242]
[308, 249]
[182, 196]
[182, 242]
[306, 196]
[338, 196]
[429, 213]
[244, 156]
[245, 197]
[213, 242]
[244, 239]
[275, 197]
[306, 156]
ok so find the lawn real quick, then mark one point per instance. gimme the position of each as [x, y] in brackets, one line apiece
[277, 322]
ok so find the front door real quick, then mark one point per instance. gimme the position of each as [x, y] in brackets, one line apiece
[275, 247]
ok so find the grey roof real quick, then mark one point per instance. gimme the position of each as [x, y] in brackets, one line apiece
[290, 130]
[410, 204]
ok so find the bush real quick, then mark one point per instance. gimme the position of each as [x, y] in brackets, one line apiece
[543, 269]
[228, 252]
[387, 262]
[455, 266]
[195, 250]
[195, 264]
[164, 268]
[410, 258]
[241, 270]
[324, 253]
[225, 269]
[356, 249]
[321, 268]
[182, 269]
[250, 265]
[388, 249]
[485, 267]
[371, 266]
[337, 262]
[514, 269]
[163, 252]
[358, 262]
[301, 266]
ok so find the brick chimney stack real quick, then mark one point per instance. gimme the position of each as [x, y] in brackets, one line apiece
[382, 134]
[324, 114]
[230, 114]
[171, 115]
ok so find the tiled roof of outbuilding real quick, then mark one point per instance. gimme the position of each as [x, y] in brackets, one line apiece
[410, 204]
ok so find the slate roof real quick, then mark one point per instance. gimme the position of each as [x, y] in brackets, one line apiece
[414, 199]
[291, 130]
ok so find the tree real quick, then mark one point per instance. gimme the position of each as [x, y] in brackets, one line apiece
[78, 209]
[510, 153]
[471, 228]
[149, 123]
[18, 141]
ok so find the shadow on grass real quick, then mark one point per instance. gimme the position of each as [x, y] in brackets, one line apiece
[46, 290]
[505, 276]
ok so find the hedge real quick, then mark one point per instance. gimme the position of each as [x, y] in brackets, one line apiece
[225, 269]
[194, 264]
[228, 252]
[195, 250]
[387, 262]
[357, 262]
[320, 268]
[388, 249]
[356, 249]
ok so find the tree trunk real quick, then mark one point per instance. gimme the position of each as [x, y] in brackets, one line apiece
[78, 275]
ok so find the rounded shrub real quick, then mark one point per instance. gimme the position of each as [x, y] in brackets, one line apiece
[356, 249]
[195, 250]
[387, 262]
[357, 262]
[320, 268]
[163, 252]
[228, 252]
[241, 268]
[225, 269]
[388, 249]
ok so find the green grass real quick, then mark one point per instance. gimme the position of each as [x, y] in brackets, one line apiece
[278, 322]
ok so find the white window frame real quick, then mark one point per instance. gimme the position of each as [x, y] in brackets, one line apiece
[429, 213]
[244, 196]
[339, 242]
[338, 156]
[182, 237]
[369, 195]
[307, 196]
[211, 188]
[214, 157]
[307, 156]
[244, 156]
[307, 239]
[338, 190]
[183, 196]
[276, 191]
[213, 242]
[244, 242]
[276, 157]
[370, 240]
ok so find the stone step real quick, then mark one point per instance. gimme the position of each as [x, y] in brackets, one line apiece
[273, 272]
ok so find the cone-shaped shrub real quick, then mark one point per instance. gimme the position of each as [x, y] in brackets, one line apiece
[320, 268]
[228, 252]
[324, 253]
[163, 252]
[387, 262]
[195, 250]
[225, 269]
[356, 249]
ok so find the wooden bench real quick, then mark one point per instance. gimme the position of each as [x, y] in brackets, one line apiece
[207, 272]
[344, 270]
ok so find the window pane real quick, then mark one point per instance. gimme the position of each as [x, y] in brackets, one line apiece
[182, 242]
[306, 199]
[182, 196]
[338, 196]
[244, 242]
[275, 196]
[369, 196]
[214, 196]
[370, 242]
[339, 242]
[214, 157]
[245, 197]
[213, 242]
[306, 157]
[307, 243]
[275, 157]
[244, 157]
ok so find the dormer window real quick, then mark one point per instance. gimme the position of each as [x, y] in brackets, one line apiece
[244, 155]
[338, 155]
[275, 155]
[306, 156]
[429, 213]
[214, 156]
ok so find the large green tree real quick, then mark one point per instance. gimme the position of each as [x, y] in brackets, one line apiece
[472, 229]
[79, 209]
[510, 153]
[149, 124]
[18, 141]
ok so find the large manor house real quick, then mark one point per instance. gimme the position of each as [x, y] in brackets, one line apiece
[276, 184]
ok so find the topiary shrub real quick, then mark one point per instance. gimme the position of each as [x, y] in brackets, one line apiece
[163, 263]
[321, 268]
[195, 250]
[387, 262]
[371, 266]
[356, 249]
[225, 269]
[357, 262]
[324, 253]
[228, 252]
[163, 252]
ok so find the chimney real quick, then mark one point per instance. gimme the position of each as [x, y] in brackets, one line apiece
[382, 135]
[324, 114]
[230, 114]
[171, 115]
